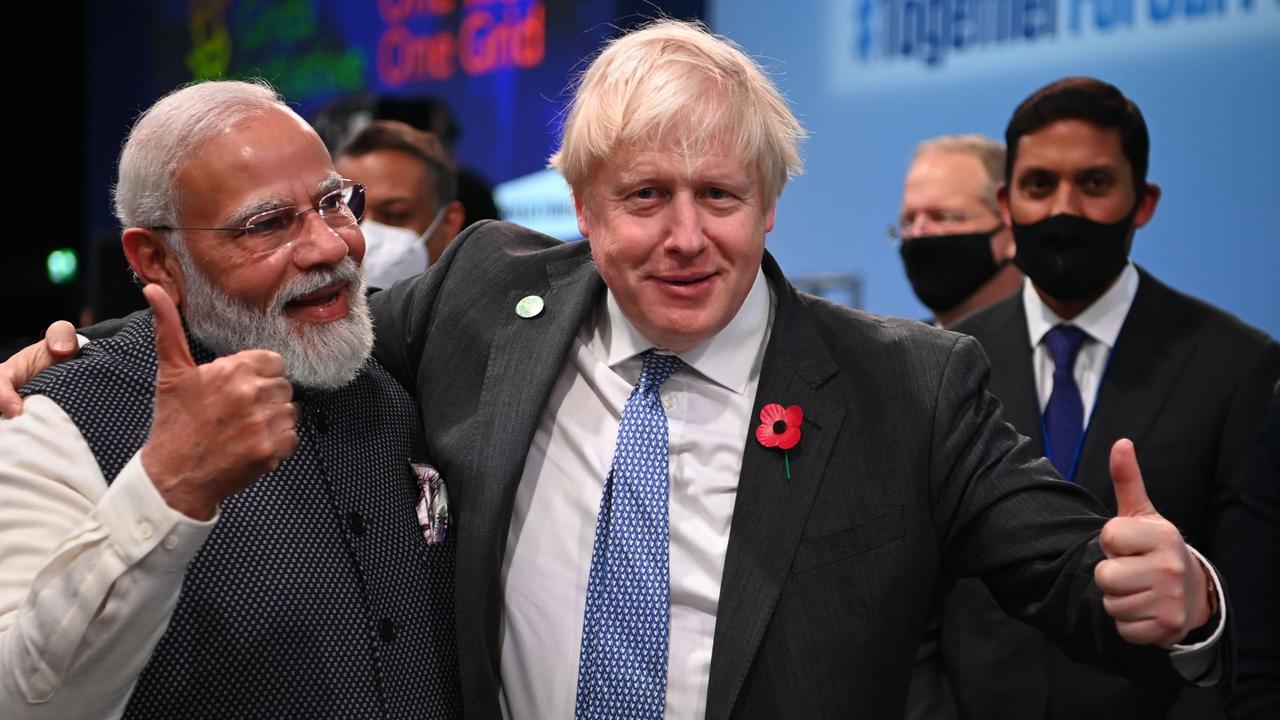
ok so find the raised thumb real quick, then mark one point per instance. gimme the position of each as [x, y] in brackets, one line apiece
[1131, 492]
[172, 351]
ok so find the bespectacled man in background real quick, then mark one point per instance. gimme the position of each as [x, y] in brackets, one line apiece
[956, 248]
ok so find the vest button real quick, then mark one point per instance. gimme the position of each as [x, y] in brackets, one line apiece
[387, 629]
[355, 523]
[321, 423]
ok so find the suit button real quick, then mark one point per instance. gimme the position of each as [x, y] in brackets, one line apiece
[355, 523]
[321, 423]
[387, 629]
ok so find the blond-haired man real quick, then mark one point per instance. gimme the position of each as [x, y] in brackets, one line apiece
[634, 538]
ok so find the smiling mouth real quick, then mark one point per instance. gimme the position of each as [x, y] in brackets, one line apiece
[686, 288]
[320, 298]
[686, 279]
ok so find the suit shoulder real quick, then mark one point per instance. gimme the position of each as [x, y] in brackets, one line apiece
[995, 318]
[1230, 340]
[495, 241]
[482, 272]
[880, 340]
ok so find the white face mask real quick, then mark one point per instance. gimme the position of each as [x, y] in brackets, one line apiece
[394, 253]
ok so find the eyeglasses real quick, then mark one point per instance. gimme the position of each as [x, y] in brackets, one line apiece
[274, 229]
[904, 229]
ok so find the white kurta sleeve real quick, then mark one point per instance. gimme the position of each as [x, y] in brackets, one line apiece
[89, 574]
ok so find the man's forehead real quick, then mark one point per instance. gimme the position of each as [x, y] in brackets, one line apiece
[1072, 142]
[386, 169]
[272, 195]
[670, 159]
[272, 125]
[947, 163]
[954, 174]
[274, 155]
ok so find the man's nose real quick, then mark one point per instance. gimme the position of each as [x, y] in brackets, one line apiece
[318, 243]
[686, 236]
[1065, 200]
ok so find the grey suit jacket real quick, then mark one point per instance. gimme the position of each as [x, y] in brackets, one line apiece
[1189, 385]
[906, 470]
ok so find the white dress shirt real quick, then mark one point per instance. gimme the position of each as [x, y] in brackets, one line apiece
[1102, 322]
[89, 574]
[548, 555]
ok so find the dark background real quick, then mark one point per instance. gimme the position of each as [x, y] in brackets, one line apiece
[83, 71]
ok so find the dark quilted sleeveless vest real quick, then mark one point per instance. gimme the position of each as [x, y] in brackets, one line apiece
[316, 595]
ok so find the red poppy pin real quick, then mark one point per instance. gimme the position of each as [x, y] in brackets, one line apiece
[780, 428]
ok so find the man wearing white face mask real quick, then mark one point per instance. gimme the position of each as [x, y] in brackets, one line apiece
[412, 211]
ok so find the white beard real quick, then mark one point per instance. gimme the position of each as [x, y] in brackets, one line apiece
[323, 356]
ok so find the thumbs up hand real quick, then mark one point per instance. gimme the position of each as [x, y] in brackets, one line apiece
[217, 427]
[1151, 584]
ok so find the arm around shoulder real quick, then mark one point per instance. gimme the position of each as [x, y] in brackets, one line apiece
[91, 572]
[59, 343]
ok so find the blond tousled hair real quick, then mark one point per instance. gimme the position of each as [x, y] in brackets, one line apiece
[674, 85]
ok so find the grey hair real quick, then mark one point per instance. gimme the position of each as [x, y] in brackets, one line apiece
[988, 152]
[168, 133]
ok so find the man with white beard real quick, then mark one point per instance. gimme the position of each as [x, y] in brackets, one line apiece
[193, 528]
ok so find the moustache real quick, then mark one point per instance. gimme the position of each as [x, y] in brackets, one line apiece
[347, 272]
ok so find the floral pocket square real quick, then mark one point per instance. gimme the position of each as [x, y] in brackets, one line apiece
[433, 503]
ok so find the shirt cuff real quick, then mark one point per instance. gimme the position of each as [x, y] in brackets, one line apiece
[140, 521]
[1197, 663]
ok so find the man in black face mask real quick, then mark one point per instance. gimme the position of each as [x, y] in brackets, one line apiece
[1094, 349]
[957, 250]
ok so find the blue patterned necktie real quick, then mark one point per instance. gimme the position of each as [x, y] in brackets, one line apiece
[622, 667]
[1064, 415]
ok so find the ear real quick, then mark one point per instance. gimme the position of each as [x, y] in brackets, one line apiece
[1147, 205]
[450, 225]
[1003, 248]
[150, 258]
[584, 215]
[1002, 198]
[454, 215]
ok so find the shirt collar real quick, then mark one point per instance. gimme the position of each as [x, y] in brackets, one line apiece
[725, 358]
[1102, 320]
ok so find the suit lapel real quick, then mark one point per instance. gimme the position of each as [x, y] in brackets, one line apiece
[525, 360]
[1149, 356]
[770, 513]
[1004, 337]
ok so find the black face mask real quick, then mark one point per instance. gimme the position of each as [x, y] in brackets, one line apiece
[1072, 257]
[946, 269]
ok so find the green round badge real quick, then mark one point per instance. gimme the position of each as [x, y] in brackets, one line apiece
[529, 306]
